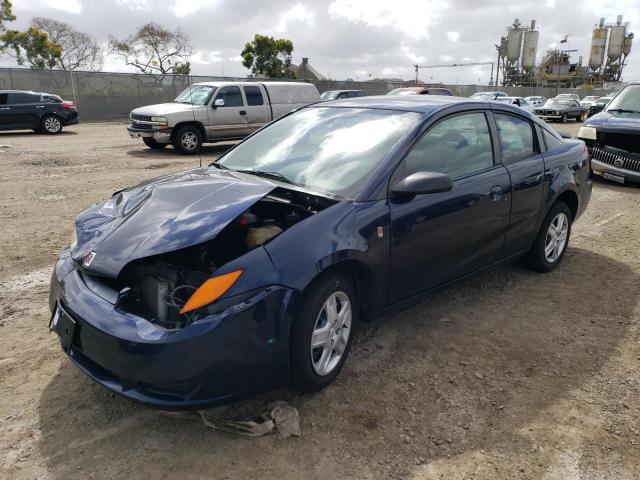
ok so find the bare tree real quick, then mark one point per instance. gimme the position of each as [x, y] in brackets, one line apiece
[154, 49]
[79, 50]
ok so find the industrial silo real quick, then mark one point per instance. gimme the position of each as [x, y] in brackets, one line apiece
[530, 47]
[626, 50]
[598, 43]
[514, 42]
[616, 40]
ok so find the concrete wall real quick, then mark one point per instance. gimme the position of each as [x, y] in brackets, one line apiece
[111, 96]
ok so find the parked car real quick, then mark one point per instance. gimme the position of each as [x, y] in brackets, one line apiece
[517, 101]
[217, 111]
[420, 91]
[40, 112]
[568, 96]
[205, 286]
[340, 94]
[487, 95]
[613, 137]
[536, 100]
[561, 109]
[598, 105]
[588, 100]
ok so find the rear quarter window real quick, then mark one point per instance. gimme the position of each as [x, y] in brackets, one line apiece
[550, 140]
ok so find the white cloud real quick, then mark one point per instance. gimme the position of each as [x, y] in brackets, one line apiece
[453, 36]
[71, 6]
[182, 8]
[205, 57]
[296, 13]
[411, 55]
[412, 17]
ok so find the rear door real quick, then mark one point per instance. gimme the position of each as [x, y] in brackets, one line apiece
[229, 120]
[25, 109]
[439, 237]
[6, 121]
[258, 109]
[521, 154]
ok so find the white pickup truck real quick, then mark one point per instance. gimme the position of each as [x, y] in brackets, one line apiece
[217, 111]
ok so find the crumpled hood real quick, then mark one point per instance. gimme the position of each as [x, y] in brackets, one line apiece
[165, 108]
[163, 215]
[615, 122]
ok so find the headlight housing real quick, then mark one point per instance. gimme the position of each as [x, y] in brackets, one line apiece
[159, 119]
[589, 133]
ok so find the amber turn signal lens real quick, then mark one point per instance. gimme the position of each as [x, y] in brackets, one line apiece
[211, 290]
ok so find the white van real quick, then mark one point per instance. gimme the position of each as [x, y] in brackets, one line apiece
[217, 111]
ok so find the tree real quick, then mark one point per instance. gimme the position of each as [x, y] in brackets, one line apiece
[153, 49]
[6, 14]
[33, 46]
[79, 50]
[268, 56]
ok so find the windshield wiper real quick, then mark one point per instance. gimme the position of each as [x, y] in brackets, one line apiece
[622, 110]
[218, 165]
[273, 175]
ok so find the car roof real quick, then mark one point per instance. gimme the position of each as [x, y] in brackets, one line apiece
[406, 103]
[241, 82]
[351, 90]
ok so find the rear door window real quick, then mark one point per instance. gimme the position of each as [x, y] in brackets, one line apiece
[22, 98]
[253, 95]
[516, 137]
[231, 96]
[4, 98]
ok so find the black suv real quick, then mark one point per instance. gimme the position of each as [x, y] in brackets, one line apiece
[40, 112]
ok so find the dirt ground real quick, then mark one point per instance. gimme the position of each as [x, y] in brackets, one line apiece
[510, 374]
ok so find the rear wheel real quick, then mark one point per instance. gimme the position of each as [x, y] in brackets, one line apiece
[51, 124]
[552, 240]
[582, 117]
[322, 334]
[187, 140]
[152, 144]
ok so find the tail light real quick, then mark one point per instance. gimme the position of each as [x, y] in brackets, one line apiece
[68, 104]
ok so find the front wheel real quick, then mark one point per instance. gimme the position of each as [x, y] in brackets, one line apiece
[51, 124]
[322, 334]
[552, 240]
[188, 140]
[564, 118]
[152, 144]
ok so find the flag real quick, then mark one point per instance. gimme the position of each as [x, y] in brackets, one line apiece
[564, 39]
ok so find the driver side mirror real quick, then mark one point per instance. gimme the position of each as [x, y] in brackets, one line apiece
[422, 183]
[218, 102]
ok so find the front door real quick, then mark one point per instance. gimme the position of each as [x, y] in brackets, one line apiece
[230, 119]
[6, 122]
[439, 237]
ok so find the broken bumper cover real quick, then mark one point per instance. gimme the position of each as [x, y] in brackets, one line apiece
[222, 358]
[161, 135]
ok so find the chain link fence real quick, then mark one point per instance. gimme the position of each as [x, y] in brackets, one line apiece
[111, 96]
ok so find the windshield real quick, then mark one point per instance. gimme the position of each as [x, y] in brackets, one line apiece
[196, 95]
[325, 149]
[558, 101]
[504, 99]
[402, 91]
[330, 95]
[589, 99]
[627, 99]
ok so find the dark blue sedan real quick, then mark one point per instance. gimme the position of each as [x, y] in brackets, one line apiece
[220, 282]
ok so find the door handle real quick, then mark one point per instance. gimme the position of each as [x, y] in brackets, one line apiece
[496, 193]
[243, 112]
[39, 106]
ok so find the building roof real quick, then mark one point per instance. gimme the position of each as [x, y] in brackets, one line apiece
[305, 71]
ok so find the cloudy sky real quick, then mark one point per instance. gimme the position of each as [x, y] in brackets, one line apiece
[348, 38]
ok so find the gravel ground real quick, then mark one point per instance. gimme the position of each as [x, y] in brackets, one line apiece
[509, 374]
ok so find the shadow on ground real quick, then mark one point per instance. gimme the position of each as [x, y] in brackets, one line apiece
[462, 371]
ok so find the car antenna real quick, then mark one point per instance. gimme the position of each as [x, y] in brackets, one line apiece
[193, 111]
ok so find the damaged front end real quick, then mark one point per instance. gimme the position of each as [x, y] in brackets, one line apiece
[143, 256]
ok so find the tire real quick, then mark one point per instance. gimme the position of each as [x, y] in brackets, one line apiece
[314, 368]
[582, 117]
[539, 258]
[564, 118]
[51, 124]
[188, 140]
[152, 144]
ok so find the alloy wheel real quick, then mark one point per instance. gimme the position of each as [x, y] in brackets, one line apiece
[331, 333]
[189, 140]
[556, 239]
[52, 125]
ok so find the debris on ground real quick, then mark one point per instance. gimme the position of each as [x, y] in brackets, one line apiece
[277, 417]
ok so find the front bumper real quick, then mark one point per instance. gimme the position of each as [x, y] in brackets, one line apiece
[225, 357]
[160, 135]
[548, 117]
